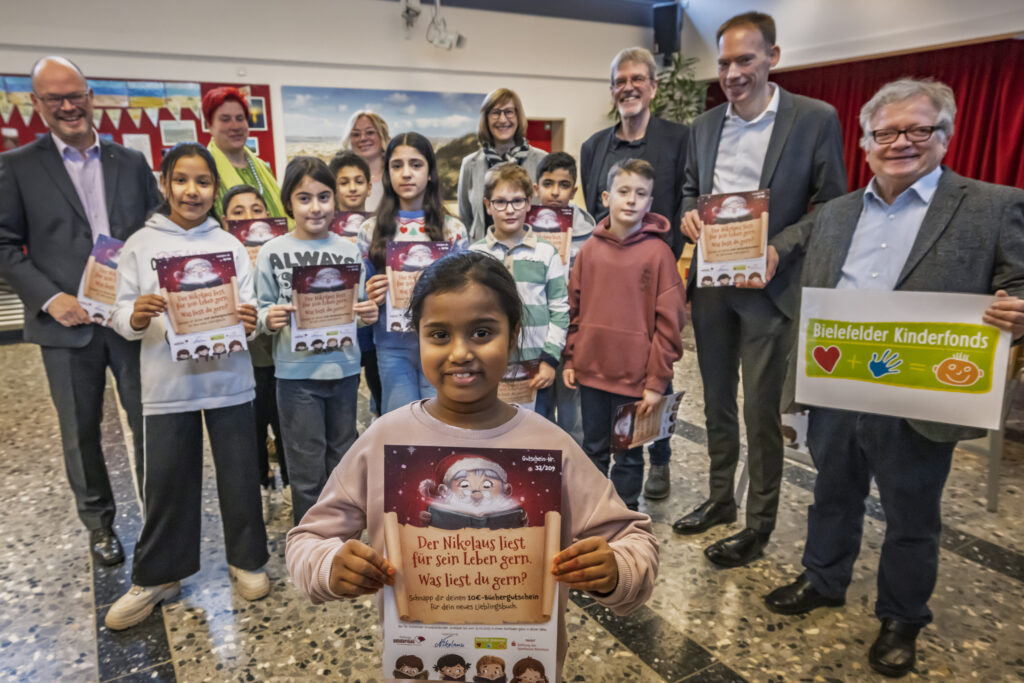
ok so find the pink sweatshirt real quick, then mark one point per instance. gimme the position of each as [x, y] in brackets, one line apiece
[353, 500]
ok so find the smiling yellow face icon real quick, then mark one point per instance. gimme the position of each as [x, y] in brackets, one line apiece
[958, 371]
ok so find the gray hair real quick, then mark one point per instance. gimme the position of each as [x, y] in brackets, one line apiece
[639, 55]
[940, 94]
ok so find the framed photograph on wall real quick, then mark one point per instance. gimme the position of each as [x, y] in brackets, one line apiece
[254, 145]
[173, 132]
[257, 113]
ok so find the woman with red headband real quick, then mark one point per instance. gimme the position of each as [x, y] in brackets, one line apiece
[227, 114]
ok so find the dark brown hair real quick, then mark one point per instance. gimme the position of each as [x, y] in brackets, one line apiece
[387, 211]
[759, 20]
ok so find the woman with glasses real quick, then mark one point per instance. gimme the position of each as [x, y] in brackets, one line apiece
[502, 135]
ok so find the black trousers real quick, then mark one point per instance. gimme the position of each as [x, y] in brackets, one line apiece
[77, 378]
[742, 330]
[368, 360]
[168, 548]
[266, 415]
[910, 471]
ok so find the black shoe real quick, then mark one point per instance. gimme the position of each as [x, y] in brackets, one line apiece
[706, 516]
[799, 597]
[894, 650]
[105, 546]
[737, 550]
[658, 484]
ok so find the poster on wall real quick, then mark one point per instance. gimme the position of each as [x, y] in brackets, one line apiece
[175, 132]
[109, 93]
[316, 119]
[472, 536]
[145, 94]
[202, 297]
[918, 355]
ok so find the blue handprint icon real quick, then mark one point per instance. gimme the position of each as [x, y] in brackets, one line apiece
[886, 365]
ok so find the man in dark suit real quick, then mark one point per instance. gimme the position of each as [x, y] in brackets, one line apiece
[916, 227]
[639, 135]
[763, 137]
[57, 195]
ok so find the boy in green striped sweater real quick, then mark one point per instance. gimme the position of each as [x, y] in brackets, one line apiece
[538, 271]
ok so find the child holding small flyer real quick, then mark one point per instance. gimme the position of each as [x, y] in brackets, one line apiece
[316, 392]
[467, 313]
[626, 312]
[178, 397]
[555, 188]
[537, 269]
[410, 210]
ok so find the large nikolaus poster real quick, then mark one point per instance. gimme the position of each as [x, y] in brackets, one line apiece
[405, 261]
[324, 298]
[472, 534]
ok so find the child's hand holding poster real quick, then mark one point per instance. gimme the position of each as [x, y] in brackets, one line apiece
[472, 537]
[734, 241]
[257, 231]
[324, 297]
[202, 298]
[348, 223]
[554, 226]
[515, 385]
[97, 290]
[405, 262]
[629, 431]
[918, 355]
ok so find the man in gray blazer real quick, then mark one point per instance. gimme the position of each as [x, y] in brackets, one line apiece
[57, 195]
[764, 137]
[916, 227]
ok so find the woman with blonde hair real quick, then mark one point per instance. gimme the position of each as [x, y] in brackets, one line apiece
[368, 136]
[502, 135]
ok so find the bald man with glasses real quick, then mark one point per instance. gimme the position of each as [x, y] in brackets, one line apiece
[57, 196]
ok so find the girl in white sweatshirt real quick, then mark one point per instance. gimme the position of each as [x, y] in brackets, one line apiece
[178, 396]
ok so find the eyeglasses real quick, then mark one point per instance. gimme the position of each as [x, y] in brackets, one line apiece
[496, 114]
[635, 81]
[887, 136]
[517, 204]
[77, 99]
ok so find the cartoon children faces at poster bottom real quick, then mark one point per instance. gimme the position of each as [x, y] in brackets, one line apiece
[471, 535]
[918, 355]
[202, 297]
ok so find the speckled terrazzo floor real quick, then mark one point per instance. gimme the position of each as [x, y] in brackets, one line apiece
[702, 624]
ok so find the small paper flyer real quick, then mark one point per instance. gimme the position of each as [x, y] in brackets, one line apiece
[515, 385]
[628, 431]
[405, 261]
[554, 226]
[348, 223]
[472, 535]
[324, 296]
[255, 232]
[734, 241]
[202, 295]
[98, 289]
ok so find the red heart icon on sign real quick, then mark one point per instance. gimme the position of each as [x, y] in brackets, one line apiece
[404, 229]
[827, 358]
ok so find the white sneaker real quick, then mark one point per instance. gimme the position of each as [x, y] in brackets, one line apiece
[134, 606]
[251, 585]
[268, 512]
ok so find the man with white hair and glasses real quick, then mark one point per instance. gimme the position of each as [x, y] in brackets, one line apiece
[917, 226]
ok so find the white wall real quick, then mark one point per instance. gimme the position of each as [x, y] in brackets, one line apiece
[559, 67]
[815, 31]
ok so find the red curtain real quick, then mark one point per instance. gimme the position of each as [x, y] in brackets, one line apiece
[988, 143]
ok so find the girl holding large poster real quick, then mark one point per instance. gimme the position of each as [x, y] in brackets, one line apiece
[179, 397]
[309, 283]
[492, 527]
[410, 211]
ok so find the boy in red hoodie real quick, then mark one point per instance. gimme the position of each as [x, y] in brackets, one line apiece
[626, 312]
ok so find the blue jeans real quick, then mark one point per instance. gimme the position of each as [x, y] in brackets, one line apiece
[627, 473]
[567, 407]
[318, 424]
[401, 378]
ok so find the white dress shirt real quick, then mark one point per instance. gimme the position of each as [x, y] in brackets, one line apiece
[742, 148]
